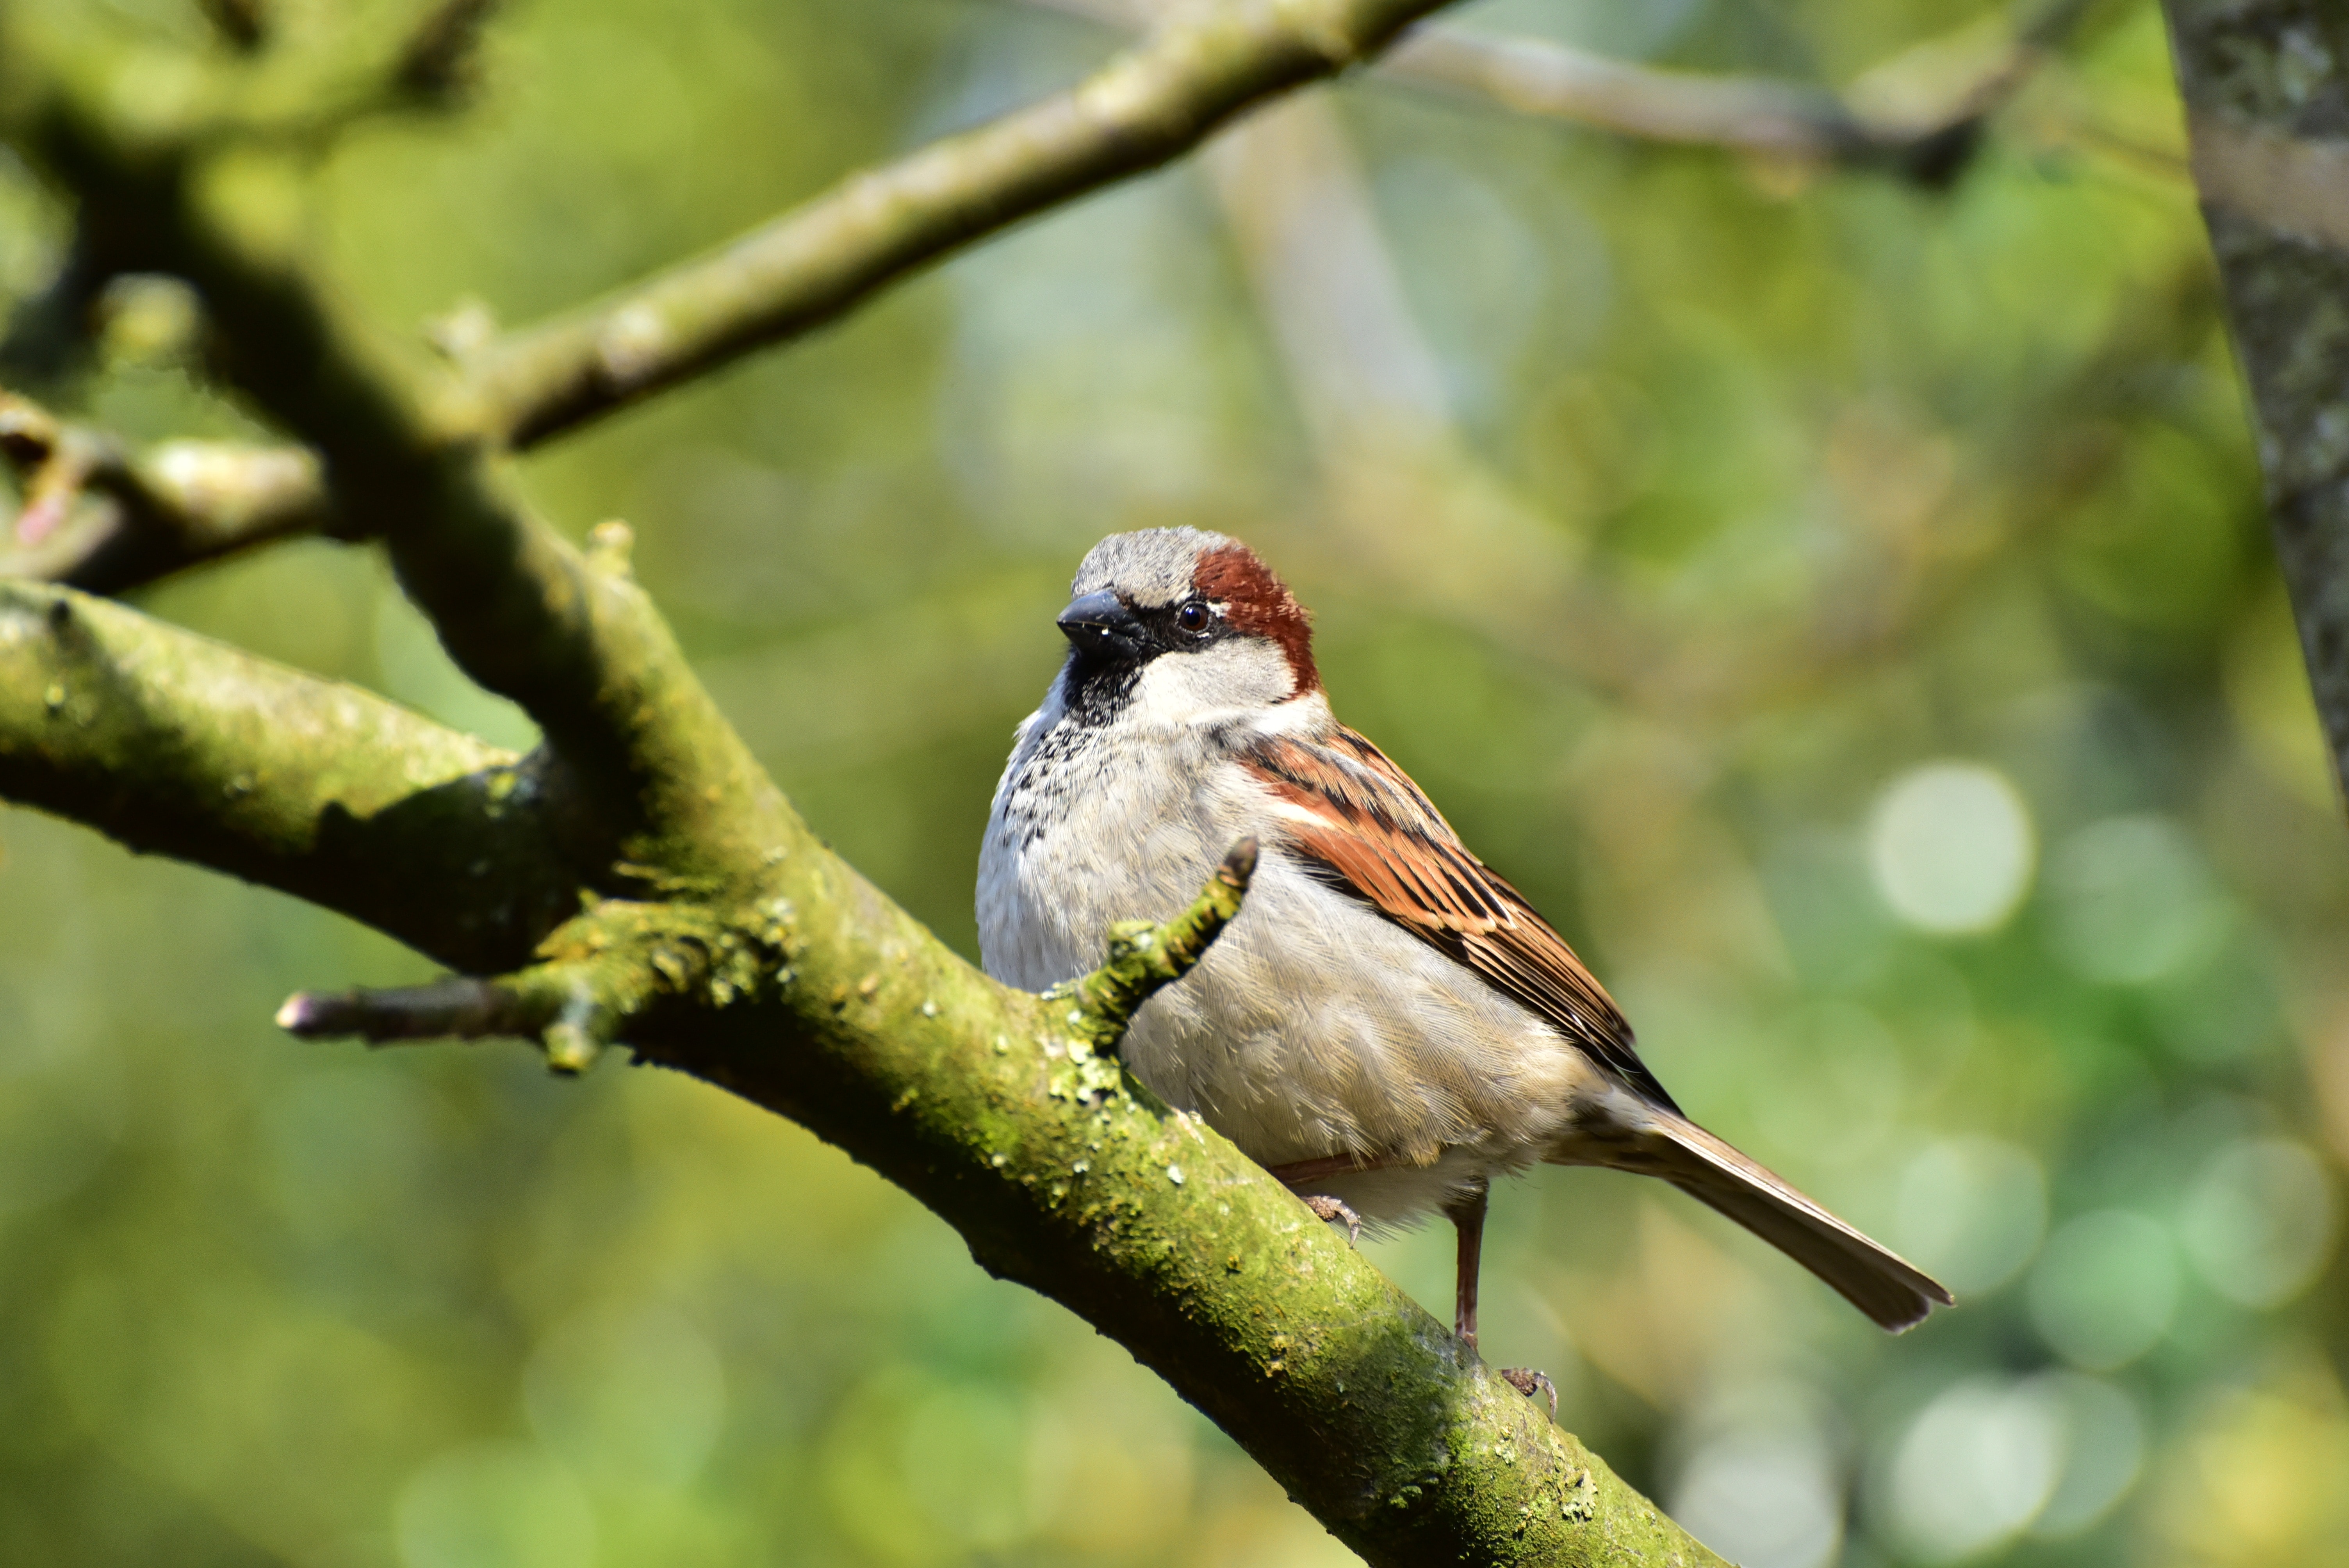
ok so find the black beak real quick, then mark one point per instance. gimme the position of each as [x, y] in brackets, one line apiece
[1099, 627]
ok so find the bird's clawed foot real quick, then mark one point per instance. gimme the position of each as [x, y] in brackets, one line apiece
[1524, 1380]
[1326, 1209]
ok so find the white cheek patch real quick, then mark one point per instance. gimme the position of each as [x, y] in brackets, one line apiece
[1238, 672]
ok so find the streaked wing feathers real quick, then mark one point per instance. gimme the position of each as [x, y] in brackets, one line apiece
[1357, 817]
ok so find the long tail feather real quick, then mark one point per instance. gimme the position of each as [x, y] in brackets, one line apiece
[1883, 1285]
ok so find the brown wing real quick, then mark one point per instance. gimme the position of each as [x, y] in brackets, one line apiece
[1364, 825]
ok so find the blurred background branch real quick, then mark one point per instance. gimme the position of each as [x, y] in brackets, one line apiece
[1199, 66]
[98, 516]
[777, 282]
[1918, 113]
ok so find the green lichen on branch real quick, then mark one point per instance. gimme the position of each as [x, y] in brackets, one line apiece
[599, 972]
[174, 744]
[1144, 956]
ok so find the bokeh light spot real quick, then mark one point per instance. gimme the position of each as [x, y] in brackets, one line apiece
[2132, 900]
[2258, 1220]
[494, 1505]
[2104, 1449]
[1951, 846]
[1766, 1499]
[964, 1458]
[2104, 1292]
[627, 1396]
[1973, 1469]
[1971, 1210]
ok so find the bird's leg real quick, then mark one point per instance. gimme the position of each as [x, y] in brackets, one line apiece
[1467, 1213]
[1326, 1208]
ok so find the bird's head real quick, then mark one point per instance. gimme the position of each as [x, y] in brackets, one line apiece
[1179, 619]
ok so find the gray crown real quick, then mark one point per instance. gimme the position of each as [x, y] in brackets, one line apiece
[1149, 568]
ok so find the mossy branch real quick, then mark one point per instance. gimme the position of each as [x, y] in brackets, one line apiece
[177, 745]
[819, 999]
[1145, 957]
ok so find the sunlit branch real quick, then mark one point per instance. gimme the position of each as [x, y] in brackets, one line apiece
[822, 1000]
[1200, 65]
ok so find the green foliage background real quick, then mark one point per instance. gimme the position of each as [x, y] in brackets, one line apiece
[1664, 513]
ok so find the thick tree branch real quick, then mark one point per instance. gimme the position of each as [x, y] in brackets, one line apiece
[177, 745]
[1203, 65]
[2267, 96]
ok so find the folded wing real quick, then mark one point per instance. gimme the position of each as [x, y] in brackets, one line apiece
[1365, 827]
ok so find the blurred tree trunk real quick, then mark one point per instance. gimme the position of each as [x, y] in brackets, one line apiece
[2266, 85]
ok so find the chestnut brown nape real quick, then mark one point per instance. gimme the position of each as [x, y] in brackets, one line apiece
[1259, 604]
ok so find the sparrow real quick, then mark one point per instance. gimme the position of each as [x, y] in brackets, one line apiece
[1387, 1026]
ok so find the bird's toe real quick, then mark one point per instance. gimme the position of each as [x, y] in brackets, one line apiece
[1327, 1209]
[1527, 1381]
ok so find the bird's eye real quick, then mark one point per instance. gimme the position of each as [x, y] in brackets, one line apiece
[1194, 616]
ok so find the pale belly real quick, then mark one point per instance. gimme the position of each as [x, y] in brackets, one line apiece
[1315, 1026]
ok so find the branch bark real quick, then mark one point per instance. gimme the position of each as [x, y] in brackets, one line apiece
[2266, 85]
[176, 745]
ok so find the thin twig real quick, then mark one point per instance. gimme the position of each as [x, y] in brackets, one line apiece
[553, 1003]
[458, 1007]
